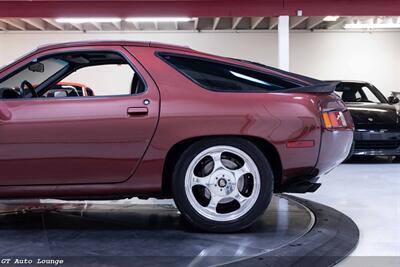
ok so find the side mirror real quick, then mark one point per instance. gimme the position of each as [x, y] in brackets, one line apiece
[36, 67]
[393, 100]
[60, 94]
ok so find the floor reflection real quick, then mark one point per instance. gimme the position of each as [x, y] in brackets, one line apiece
[57, 228]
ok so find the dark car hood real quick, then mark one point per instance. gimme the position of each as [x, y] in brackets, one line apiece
[369, 115]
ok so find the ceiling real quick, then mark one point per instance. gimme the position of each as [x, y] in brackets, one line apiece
[196, 24]
[195, 8]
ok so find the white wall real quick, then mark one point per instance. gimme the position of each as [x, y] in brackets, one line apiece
[374, 57]
[242, 45]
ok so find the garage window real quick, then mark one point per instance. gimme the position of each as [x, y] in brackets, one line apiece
[218, 76]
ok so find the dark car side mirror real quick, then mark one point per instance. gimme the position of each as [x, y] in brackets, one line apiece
[393, 100]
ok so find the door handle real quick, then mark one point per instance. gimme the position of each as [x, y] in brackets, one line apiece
[137, 111]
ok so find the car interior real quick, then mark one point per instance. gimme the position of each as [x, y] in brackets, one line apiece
[358, 92]
[62, 90]
[40, 78]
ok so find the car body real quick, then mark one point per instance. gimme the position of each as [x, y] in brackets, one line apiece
[106, 147]
[377, 120]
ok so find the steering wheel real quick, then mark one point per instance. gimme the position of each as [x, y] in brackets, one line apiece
[30, 88]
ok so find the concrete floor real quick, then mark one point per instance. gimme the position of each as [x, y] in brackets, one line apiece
[368, 191]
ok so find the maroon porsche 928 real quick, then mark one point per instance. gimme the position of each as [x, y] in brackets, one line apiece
[218, 135]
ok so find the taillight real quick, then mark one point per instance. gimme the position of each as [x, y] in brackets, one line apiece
[334, 120]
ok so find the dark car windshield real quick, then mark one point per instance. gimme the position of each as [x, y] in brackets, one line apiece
[359, 92]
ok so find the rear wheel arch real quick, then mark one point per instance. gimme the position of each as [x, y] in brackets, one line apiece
[268, 149]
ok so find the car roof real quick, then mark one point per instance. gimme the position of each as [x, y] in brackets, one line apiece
[89, 43]
[113, 42]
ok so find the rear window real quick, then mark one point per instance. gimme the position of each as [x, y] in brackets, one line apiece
[219, 76]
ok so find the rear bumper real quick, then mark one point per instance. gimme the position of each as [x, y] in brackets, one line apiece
[333, 145]
[377, 143]
[335, 148]
[306, 184]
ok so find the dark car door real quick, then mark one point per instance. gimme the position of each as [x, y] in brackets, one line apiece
[77, 140]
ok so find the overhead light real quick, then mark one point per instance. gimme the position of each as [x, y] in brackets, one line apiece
[159, 19]
[87, 20]
[331, 18]
[372, 26]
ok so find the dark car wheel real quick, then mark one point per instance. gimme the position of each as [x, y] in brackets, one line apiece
[222, 184]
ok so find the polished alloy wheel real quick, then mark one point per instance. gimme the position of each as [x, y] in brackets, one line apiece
[222, 183]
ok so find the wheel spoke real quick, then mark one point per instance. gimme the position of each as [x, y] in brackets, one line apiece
[239, 197]
[212, 206]
[216, 156]
[241, 171]
[200, 180]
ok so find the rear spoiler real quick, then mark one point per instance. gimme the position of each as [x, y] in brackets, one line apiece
[324, 87]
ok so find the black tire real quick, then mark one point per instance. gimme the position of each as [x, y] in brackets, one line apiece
[190, 213]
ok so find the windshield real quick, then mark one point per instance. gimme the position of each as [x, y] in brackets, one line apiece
[359, 92]
[35, 73]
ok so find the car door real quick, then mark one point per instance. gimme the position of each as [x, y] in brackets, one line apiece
[79, 140]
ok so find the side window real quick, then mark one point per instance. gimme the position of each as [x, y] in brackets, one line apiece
[339, 93]
[349, 92]
[369, 95]
[358, 95]
[103, 80]
[73, 74]
[219, 76]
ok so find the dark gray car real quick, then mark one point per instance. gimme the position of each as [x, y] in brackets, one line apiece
[376, 118]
